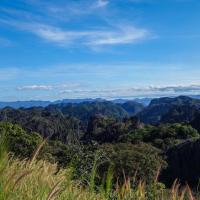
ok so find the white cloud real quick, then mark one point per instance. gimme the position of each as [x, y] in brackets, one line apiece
[49, 87]
[35, 87]
[90, 80]
[69, 86]
[124, 34]
[101, 3]
[132, 92]
[45, 24]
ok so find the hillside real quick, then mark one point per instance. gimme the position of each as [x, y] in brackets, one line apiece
[180, 113]
[132, 107]
[47, 124]
[85, 110]
[159, 108]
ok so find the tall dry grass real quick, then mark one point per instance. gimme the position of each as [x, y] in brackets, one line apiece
[40, 180]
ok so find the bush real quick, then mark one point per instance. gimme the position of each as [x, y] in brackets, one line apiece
[19, 141]
[134, 161]
[163, 136]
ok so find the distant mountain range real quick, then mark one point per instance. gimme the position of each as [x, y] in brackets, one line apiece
[24, 104]
[40, 103]
[35, 103]
[29, 104]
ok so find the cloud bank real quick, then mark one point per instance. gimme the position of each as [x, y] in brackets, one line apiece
[77, 91]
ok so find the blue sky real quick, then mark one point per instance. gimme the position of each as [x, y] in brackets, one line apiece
[98, 48]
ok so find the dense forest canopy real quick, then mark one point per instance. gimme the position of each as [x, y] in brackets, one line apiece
[128, 136]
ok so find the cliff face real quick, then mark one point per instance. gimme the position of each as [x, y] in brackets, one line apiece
[183, 163]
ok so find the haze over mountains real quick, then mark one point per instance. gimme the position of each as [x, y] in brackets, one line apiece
[40, 103]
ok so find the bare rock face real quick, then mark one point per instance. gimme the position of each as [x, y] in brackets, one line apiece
[183, 164]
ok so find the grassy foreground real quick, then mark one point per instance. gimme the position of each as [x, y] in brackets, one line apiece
[33, 179]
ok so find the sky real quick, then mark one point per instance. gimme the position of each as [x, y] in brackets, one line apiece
[109, 49]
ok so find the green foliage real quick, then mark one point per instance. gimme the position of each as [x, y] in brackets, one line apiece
[164, 136]
[47, 124]
[43, 180]
[93, 161]
[180, 113]
[108, 130]
[19, 141]
[136, 161]
[56, 151]
[154, 190]
[23, 179]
